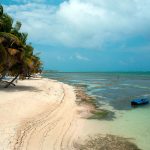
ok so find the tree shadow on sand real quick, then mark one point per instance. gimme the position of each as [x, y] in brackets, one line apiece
[19, 88]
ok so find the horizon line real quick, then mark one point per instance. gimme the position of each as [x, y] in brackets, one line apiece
[56, 71]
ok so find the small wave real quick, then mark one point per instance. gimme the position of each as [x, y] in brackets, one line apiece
[115, 88]
[125, 84]
[142, 87]
[146, 95]
[136, 86]
[95, 79]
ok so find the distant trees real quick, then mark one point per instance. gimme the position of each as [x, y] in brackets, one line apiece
[17, 58]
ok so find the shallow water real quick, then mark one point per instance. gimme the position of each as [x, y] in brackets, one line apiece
[117, 90]
[134, 124]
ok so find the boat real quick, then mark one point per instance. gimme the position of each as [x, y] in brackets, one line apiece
[142, 101]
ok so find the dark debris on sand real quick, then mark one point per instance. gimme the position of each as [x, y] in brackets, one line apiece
[107, 142]
[83, 99]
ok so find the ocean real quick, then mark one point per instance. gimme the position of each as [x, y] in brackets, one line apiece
[114, 92]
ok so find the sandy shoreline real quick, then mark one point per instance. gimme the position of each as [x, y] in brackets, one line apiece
[38, 114]
[42, 114]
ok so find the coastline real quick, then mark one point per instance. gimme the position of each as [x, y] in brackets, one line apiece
[41, 113]
[38, 114]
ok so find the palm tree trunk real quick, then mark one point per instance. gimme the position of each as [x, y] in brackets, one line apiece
[3, 74]
[1, 78]
[7, 85]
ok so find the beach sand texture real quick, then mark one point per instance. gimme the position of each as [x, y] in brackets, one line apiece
[38, 114]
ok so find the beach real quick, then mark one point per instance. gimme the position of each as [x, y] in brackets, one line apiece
[43, 114]
[113, 92]
[38, 114]
[72, 76]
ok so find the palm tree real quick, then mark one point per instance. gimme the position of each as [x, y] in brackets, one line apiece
[5, 26]
[16, 57]
[12, 49]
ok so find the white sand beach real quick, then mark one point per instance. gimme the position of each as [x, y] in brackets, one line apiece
[38, 114]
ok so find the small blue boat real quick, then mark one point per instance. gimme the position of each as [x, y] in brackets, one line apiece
[142, 101]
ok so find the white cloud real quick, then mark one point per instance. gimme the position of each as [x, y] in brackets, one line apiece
[83, 23]
[80, 57]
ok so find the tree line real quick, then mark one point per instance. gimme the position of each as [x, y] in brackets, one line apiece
[17, 58]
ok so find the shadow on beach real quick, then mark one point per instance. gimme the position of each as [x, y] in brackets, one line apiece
[32, 79]
[19, 88]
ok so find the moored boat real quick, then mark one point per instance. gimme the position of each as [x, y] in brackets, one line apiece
[142, 101]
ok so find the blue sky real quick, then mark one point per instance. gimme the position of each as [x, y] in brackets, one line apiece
[87, 35]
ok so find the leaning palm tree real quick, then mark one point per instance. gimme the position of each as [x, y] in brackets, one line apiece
[5, 27]
[16, 56]
[5, 37]
[12, 49]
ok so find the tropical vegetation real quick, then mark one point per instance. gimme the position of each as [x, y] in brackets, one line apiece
[17, 58]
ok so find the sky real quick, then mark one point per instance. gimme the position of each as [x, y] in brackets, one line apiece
[86, 35]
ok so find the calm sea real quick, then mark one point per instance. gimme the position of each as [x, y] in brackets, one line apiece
[114, 91]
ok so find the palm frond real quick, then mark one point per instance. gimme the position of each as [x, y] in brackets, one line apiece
[10, 38]
[13, 51]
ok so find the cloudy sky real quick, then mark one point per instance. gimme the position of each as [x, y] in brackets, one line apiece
[87, 35]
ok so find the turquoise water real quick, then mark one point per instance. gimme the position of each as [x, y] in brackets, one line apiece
[116, 90]
[134, 124]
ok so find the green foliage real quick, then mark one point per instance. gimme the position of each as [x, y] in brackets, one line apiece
[17, 58]
[1, 10]
[5, 23]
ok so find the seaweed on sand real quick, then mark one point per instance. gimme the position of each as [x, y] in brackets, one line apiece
[107, 142]
[95, 113]
[102, 114]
